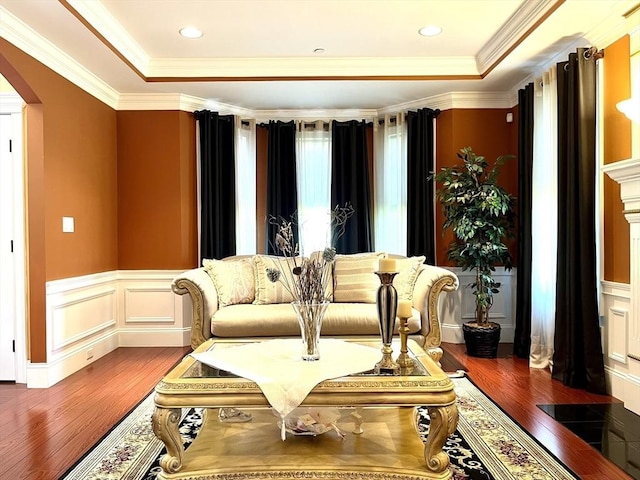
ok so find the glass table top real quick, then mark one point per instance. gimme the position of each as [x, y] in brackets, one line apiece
[201, 370]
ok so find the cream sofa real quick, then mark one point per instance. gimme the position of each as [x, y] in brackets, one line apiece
[268, 313]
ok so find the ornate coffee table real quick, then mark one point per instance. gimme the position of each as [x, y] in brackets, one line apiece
[389, 446]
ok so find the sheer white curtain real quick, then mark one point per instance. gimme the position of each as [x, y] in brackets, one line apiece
[390, 184]
[245, 153]
[544, 221]
[313, 170]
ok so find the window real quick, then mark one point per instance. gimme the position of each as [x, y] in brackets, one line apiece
[313, 170]
[245, 152]
[390, 184]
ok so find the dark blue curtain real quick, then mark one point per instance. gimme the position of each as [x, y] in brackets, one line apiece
[350, 183]
[420, 185]
[578, 358]
[282, 193]
[217, 185]
[522, 335]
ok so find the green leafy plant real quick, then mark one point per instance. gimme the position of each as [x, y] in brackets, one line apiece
[481, 215]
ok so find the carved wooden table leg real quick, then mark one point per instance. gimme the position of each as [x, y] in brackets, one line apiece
[165, 426]
[444, 421]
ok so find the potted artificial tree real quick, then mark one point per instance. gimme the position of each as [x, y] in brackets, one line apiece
[481, 214]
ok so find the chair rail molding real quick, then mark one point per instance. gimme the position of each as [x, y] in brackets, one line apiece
[627, 174]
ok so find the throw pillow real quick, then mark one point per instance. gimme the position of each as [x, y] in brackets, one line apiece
[354, 280]
[405, 280]
[268, 292]
[233, 279]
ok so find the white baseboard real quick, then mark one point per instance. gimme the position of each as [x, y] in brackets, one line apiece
[44, 375]
[452, 333]
[155, 337]
[92, 315]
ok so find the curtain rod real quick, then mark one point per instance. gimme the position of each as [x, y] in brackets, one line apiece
[593, 52]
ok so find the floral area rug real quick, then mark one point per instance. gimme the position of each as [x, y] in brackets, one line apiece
[486, 445]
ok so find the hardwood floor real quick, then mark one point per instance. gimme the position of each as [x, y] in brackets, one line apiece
[44, 431]
[510, 383]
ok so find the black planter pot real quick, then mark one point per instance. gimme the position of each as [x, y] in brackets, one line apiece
[481, 339]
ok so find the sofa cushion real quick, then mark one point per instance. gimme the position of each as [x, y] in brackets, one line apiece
[233, 279]
[405, 280]
[354, 280]
[278, 320]
[268, 292]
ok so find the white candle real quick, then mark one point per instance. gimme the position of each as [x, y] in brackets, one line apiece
[404, 308]
[387, 265]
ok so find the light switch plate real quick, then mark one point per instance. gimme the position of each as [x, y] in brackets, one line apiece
[68, 225]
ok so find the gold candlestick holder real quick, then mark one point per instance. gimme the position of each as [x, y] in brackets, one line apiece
[387, 301]
[404, 361]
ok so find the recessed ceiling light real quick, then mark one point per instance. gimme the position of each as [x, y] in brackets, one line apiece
[430, 30]
[190, 32]
[318, 50]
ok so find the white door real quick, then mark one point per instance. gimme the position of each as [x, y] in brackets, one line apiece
[7, 266]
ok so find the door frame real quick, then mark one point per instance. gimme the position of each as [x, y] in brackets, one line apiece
[12, 103]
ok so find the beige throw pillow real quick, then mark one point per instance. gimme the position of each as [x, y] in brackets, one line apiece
[354, 280]
[405, 280]
[268, 292]
[233, 279]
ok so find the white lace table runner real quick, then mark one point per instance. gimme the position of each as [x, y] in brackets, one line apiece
[278, 369]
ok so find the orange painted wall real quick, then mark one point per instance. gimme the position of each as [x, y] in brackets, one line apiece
[489, 134]
[617, 146]
[79, 171]
[157, 223]
[34, 222]
[75, 175]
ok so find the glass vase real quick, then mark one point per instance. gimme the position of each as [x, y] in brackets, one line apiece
[310, 317]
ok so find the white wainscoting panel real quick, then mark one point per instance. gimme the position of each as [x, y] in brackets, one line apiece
[623, 372]
[75, 320]
[81, 326]
[616, 335]
[92, 315]
[458, 307]
[151, 314]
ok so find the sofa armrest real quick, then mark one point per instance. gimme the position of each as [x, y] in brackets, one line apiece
[204, 299]
[430, 282]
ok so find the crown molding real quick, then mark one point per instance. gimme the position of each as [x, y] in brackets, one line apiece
[99, 18]
[29, 41]
[315, 115]
[307, 67]
[448, 101]
[611, 28]
[176, 101]
[445, 101]
[633, 29]
[516, 28]
[10, 102]
[513, 98]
